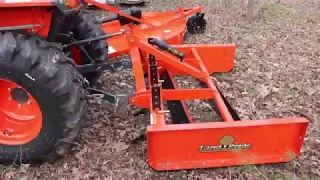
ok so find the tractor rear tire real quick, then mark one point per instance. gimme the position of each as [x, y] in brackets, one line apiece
[84, 27]
[50, 79]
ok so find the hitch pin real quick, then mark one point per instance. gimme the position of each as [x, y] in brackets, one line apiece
[121, 97]
[163, 111]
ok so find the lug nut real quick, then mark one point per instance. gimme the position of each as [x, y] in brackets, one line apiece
[7, 132]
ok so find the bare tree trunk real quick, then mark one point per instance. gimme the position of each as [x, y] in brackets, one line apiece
[250, 8]
[244, 3]
[253, 8]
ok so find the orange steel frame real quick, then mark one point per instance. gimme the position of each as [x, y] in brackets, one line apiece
[202, 145]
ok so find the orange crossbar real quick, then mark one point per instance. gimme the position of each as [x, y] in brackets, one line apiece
[186, 144]
[142, 98]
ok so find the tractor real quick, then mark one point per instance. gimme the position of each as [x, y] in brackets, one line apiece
[52, 54]
[44, 100]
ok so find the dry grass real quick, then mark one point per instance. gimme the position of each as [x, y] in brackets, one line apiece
[276, 74]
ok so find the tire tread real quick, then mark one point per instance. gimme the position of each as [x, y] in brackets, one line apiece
[60, 77]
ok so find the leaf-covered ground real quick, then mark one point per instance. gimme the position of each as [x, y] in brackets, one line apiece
[276, 74]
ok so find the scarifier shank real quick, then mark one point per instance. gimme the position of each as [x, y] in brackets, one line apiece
[186, 144]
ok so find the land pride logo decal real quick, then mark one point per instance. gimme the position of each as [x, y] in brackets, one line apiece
[226, 144]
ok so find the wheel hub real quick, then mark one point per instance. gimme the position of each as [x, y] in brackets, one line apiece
[196, 23]
[20, 95]
[20, 114]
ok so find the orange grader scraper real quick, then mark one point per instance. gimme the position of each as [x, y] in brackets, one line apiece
[186, 144]
[157, 56]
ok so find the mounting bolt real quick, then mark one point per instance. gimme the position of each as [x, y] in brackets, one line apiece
[131, 41]
[9, 89]
[19, 105]
[7, 132]
[9, 98]
[29, 102]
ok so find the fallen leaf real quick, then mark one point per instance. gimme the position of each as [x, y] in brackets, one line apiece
[120, 146]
